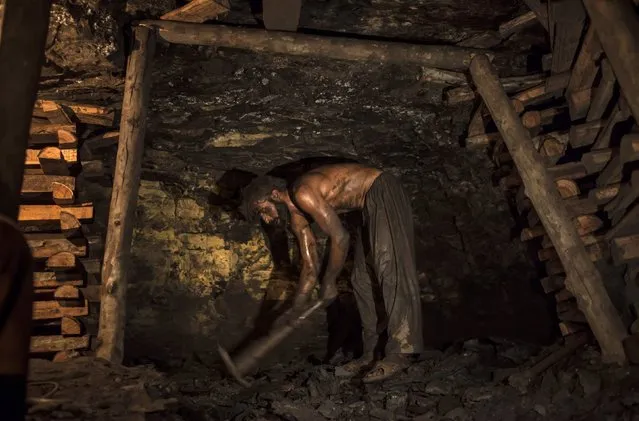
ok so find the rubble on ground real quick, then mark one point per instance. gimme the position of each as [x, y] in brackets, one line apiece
[462, 383]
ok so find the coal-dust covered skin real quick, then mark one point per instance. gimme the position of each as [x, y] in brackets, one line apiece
[320, 196]
[384, 258]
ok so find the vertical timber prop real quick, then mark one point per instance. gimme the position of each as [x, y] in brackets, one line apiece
[584, 280]
[617, 26]
[23, 33]
[126, 183]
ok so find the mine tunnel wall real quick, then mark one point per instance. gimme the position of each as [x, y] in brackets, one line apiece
[199, 273]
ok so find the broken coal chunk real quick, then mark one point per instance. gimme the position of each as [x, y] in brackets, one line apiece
[355, 409]
[590, 382]
[329, 410]
[439, 387]
[396, 401]
[478, 394]
[447, 404]
[459, 414]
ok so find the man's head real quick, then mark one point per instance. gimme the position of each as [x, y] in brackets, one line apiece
[262, 198]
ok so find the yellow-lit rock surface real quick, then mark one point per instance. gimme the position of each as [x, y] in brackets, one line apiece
[184, 260]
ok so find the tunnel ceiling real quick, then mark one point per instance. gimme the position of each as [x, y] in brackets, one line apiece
[216, 109]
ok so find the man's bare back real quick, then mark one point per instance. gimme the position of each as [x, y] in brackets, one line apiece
[317, 196]
[341, 186]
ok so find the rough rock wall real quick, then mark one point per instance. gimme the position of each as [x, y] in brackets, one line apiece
[200, 273]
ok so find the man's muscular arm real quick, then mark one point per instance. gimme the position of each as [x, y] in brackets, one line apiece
[308, 254]
[328, 220]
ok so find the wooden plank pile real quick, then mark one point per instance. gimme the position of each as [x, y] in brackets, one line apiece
[57, 226]
[584, 131]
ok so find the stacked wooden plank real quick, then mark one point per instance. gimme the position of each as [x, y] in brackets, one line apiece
[583, 129]
[55, 223]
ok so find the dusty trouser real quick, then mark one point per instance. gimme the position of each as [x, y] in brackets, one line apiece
[384, 267]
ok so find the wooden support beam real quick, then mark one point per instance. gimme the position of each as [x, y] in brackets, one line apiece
[466, 93]
[552, 85]
[584, 225]
[583, 75]
[569, 18]
[585, 134]
[552, 283]
[587, 240]
[605, 194]
[629, 148]
[445, 77]
[46, 344]
[62, 135]
[32, 213]
[554, 267]
[46, 310]
[553, 148]
[617, 26]
[70, 326]
[124, 197]
[55, 113]
[514, 25]
[539, 10]
[67, 292]
[103, 140]
[297, 44]
[52, 162]
[44, 245]
[628, 224]
[578, 103]
[568, 171]
[571, 328]
[84, 113]
[620, 113]
[596, 160]
[584, 282]
[198, 11]
[625, 250]
[45, 183]
[628, 194]
[55, 279]
[573, 316]
[68, 156]
[596, 252]
[564, 296]
[61, 261]
[486, 39]
[603, 93]
[532, 119]
[576, 207]
[611, 173]
[567, 189]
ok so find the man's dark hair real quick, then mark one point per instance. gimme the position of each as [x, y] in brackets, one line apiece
[259, 189]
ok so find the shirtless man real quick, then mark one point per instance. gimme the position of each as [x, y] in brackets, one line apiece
[384, 252]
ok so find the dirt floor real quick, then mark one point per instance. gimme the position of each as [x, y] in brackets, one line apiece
[467, 381]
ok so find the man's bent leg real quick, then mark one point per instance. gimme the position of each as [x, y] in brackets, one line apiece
[365, 299]
[392, 241]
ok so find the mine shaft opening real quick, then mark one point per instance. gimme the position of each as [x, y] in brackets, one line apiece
[509, 305]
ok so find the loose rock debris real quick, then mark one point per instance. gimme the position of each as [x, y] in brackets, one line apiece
[461, 383]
